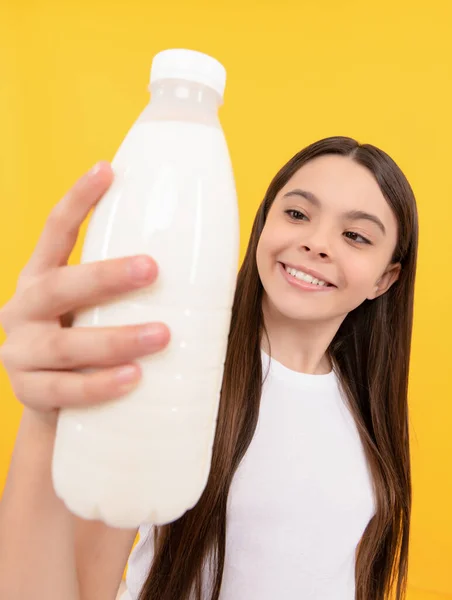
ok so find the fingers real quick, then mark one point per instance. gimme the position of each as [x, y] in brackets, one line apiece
[71, 288]
[37, 348]
[61, 229]
[48, 390]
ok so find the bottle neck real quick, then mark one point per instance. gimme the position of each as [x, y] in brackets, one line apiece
[176, 99]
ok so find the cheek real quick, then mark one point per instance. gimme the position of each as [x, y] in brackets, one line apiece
[261, 256]
[361, 276]
[266, 249]
[274, 239]
[266, 254]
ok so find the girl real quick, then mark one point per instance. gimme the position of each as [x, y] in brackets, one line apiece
[309, 494]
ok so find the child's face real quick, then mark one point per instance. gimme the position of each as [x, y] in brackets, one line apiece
[327, 235]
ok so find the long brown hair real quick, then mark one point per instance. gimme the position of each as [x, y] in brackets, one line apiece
[370, 352]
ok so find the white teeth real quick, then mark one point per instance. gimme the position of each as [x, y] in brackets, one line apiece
[305, 277]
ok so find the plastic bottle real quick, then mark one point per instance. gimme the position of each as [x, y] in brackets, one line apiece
[146, 457]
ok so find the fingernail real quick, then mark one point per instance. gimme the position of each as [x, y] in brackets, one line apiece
[152, 335]
[126, 374]
[140, 268]
[95, 170]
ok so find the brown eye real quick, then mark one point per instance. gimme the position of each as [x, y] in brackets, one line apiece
[296, 215]
[356, 237]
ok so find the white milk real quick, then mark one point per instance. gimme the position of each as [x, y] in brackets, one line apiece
[146, 457]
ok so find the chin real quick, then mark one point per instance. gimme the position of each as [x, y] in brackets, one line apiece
[296, 309]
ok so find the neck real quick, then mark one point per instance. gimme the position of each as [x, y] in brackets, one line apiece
[299, 345]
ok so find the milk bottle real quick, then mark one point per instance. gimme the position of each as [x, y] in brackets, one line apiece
[146, 457]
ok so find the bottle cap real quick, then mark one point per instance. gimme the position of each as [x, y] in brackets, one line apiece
[190, 65]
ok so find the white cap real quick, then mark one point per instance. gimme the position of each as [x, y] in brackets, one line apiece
[191, 65]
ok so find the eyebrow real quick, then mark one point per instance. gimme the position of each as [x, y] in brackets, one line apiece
[354, 215]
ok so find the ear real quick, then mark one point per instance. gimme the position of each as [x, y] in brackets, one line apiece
[389, 277]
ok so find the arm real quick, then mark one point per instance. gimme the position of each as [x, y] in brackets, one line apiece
[37, 558]
[101, 557]
[46, 553]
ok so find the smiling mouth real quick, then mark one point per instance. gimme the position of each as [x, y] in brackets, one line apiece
[301, 276]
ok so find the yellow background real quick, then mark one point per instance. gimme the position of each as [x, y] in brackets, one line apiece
[73, 78]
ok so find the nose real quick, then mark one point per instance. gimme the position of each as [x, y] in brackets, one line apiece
[316, 244]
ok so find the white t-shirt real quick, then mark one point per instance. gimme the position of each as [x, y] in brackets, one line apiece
[299, 501]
